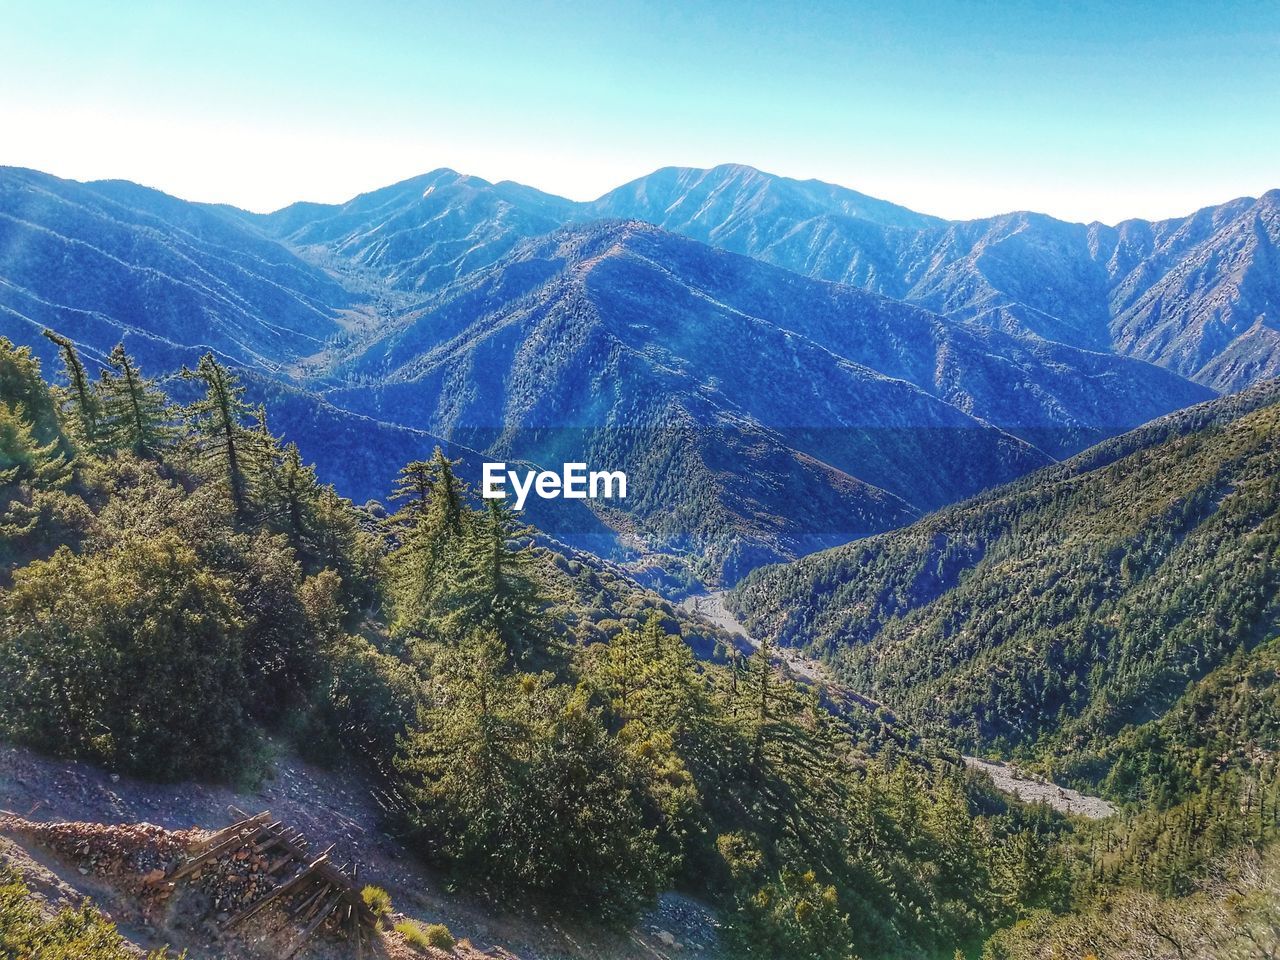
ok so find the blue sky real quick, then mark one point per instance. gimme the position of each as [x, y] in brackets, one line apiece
[1084, 110]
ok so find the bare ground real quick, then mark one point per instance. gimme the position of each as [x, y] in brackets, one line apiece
[330, 807]
[1009, 779]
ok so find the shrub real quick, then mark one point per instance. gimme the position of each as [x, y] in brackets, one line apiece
[420, 937]
[377, 900]
[438, 936]
[413, 934]
[83, 934]
[130, 657]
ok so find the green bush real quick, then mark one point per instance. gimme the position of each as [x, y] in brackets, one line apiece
[130, 657]
[421, 937]
[438, 936]
[377, 900]
[83, 934]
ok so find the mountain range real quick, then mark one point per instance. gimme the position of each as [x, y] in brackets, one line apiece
[782, 365]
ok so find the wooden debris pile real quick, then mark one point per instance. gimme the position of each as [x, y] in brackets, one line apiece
[259, 864]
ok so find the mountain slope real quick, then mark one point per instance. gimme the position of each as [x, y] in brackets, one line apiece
[421, 233]
[110, 262]
[765, 393]
[1049, 614]
[1197, 294]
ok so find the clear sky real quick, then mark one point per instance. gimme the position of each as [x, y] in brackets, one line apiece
[1084, 110]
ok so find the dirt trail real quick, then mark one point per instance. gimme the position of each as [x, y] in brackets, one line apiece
[1009, 779]
[711, 606]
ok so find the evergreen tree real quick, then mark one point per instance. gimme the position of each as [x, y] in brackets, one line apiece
[413, 485]
[431, 526]
[496, 586]
[218, 424]
[295, 490]
[27, 468]
[83, 409]
[21, 385]
[22, 458]
[135, 413]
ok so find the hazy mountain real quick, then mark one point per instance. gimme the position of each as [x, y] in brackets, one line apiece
[1197, 295]
[112, 261]
[1051, 613]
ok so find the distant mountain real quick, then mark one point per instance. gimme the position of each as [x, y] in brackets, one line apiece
[112, 261]
[765, 413]
[1199, 295]
[727, 205]
[1053, 615]
[422, 233]
[759, 413]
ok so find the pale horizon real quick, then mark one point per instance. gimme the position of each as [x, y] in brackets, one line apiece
[1088, 113]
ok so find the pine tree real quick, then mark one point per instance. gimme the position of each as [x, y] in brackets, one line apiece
[27, 468]
[413, 485]
[433, 523]
[293, 491]
[21, 385]
[135, 413]
[82, 410]
[496, 587]
[218, 423]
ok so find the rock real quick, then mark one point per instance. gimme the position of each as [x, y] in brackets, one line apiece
[153, 876]
[666, 938]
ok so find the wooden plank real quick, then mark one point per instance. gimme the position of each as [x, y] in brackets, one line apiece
[322, 888]
[221, 835]
[232, 843]
[314, 925]
[305, 915]
[295, 882]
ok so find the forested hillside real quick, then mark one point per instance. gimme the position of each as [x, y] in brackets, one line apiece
[1054, 615]
[539, 722]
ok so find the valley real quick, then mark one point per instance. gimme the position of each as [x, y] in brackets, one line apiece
[939, 615]
[675, 326]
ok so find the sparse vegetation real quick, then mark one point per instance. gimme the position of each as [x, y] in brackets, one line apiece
[82, 934]
[421, 936]
[377, 900]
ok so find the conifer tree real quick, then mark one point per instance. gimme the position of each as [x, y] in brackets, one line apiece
[82, 409]
[135, 412]
[435, 520]
[293, 490]
[495, 586]
[413, 485]
[22, 385]
[23, 459]
[218, 422]
[27, 467]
